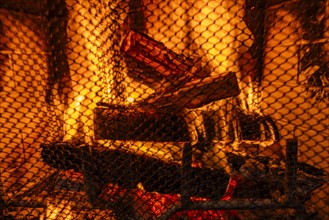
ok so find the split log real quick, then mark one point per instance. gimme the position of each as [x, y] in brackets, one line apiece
[198, 93]
[175, 68]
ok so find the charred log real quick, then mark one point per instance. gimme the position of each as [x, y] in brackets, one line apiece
[175, 68]
[142, 123]
[128, 169]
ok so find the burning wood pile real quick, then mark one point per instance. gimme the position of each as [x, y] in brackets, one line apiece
[128, 160]
[179, 81]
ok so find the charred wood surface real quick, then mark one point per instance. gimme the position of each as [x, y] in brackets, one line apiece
[130, 123]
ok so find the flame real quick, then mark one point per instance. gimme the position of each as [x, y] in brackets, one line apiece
[79, 100]
[130, 99]
[60, 210]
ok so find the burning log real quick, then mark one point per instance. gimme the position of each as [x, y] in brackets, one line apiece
[119, 122]
[175, 68]
[199, 92]
[128, 169]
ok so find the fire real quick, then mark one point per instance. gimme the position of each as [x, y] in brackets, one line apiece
[199, 29]
[58, 210]
[130, 99]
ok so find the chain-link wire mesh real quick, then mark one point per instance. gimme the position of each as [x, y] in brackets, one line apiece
[164, 109]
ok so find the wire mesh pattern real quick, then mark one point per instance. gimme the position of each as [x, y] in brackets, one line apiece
[171, 109]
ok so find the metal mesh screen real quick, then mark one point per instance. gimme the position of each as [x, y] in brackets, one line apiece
[171, 109]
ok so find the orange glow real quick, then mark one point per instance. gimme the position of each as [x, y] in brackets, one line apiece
[130, 99]
[58, 210]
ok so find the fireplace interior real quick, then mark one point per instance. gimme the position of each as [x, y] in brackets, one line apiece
[172, 109]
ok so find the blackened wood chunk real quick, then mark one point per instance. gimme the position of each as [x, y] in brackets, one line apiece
[144, 124]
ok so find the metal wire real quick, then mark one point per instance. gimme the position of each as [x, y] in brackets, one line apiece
[173, 109]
